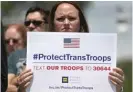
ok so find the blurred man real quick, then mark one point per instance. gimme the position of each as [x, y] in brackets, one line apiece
[35, 20]
[15, 37]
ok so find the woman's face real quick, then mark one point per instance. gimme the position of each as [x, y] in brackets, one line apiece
[13, 40]
[66, 18]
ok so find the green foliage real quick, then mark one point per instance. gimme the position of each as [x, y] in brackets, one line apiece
[6, 6]
[126, 66]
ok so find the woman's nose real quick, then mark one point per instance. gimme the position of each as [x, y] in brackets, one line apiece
[66, 21]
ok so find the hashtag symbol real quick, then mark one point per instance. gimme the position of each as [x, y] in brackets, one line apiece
[35, 56]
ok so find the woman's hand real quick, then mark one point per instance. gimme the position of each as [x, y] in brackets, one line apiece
[24, 79]
[117, 78]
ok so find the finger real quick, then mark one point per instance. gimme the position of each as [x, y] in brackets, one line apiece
[118, 70]
[26, 80]
[117, 85]
[27, 84]
[26, 75]
[18, 80]
[116, 81]
[117, 75]
[23, 77]
[25, 71]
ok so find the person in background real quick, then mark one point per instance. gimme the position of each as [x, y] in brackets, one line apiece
[15, 37]
[35, 20]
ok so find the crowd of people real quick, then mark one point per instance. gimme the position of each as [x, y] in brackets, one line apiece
[65, 16]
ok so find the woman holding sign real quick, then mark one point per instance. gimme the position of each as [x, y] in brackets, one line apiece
[67, 17]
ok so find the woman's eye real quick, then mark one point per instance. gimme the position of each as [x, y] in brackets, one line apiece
[60, 19]
[72, 18]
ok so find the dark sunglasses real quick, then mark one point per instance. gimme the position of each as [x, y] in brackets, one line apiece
[35, 22]
[13, 40]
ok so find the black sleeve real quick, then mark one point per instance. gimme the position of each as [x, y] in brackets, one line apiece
[3, 63]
